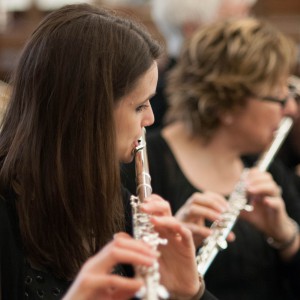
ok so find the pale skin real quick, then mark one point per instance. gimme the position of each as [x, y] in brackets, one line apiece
[95, 280]
[218, 167]
[269, 214]
[176, 259]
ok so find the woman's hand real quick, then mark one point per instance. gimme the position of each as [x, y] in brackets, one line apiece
[96, 281]
[177, 262]
[198, 208]
[269, 213]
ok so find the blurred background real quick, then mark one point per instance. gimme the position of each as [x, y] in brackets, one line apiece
[19, 17]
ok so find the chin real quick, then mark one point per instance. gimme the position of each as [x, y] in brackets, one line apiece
[256, 149]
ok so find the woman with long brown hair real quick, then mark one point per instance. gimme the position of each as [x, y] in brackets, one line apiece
[79, 102]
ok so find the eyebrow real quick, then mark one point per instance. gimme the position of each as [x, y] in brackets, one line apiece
[148, 98]
[152, 95]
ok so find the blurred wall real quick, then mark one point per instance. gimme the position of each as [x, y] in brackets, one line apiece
[16, 26]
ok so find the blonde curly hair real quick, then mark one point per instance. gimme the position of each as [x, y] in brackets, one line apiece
[5, 91]
[221, 66]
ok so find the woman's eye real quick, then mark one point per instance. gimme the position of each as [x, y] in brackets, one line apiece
[142, 107]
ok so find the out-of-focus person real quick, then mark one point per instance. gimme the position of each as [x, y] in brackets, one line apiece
[177, 20]
[228, 93]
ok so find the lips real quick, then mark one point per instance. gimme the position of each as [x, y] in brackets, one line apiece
[134, 146]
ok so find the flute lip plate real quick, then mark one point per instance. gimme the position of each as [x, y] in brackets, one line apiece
[140, 146]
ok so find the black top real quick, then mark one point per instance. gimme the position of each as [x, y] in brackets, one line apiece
[18, 279]
[249, 268]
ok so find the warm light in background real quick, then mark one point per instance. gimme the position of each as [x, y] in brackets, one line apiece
[16, 5]
[54, 4]
[20, 5]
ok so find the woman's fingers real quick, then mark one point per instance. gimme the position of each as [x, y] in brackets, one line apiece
[95, 280]
[262, 183]
[155, 205]
[123, 250]
[196, 212]
[199, 207]
[231, 237]
[102, 286]
[172, 230]
[264, 188]
[198, 231]
[120, 287]
[208, 204]
[210, 200]
[203, 232]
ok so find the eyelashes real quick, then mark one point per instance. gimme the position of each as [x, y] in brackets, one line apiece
[142, 107]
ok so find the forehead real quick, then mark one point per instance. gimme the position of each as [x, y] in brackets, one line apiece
[144, 87]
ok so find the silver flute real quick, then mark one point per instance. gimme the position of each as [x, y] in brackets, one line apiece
[143, 228]
[216, 241]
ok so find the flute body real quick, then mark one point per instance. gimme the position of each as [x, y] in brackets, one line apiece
[237, 202]
[143, 228]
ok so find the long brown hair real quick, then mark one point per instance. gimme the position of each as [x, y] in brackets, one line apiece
[57, 144]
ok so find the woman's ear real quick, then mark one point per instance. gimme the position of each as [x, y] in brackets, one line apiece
[227, 119]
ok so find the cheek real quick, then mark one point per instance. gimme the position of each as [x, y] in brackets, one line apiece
[125, 135]
[121, 132]
[263, 131]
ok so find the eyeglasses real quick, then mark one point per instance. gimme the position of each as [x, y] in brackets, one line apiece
[281, 101]
[294, 88]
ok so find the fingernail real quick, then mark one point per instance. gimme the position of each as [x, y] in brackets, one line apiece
[144, 204]
[224, 208]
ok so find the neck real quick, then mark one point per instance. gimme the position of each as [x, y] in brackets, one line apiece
[221, 149]
[215, 163]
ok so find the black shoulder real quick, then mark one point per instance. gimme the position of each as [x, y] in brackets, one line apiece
[11, 251]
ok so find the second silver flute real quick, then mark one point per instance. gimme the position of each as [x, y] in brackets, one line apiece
[237, 202]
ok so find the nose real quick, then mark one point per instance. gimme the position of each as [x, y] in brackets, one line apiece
[148, 117]
[291, 108]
